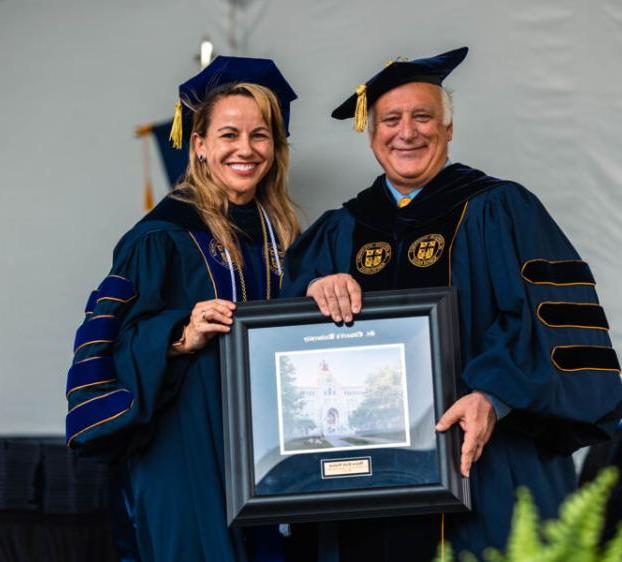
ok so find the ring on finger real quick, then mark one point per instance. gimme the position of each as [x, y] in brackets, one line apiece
[203, 315]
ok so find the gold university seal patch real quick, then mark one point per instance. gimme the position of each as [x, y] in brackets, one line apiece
[217, 251]
[372, 257]
[427, 250]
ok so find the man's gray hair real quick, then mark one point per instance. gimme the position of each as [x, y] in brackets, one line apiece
[447, 98]
[448, 110]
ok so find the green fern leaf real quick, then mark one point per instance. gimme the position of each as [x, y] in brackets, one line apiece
[448, 554]
[493, 555]
[524, 540]
[575, 535]
[613, 549]
[467, 557]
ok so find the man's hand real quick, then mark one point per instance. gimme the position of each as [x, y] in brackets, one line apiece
[337, 296]
[477, 418]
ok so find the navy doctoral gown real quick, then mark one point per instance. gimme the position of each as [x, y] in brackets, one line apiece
[157, 416]
[533, 336]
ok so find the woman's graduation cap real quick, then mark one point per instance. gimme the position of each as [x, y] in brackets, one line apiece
[228, 70]
[401, 71]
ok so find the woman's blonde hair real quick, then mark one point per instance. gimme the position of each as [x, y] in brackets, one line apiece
[210, 199]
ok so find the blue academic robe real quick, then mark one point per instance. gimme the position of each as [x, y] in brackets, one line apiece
[159, 417]
[532, 335]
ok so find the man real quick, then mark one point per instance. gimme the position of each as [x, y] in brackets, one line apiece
[540, 378]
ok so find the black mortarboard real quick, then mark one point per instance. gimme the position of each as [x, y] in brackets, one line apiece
[401, 71]
[227, 70]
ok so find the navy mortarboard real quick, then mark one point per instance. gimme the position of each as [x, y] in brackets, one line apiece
[228, 70]
[401, 71]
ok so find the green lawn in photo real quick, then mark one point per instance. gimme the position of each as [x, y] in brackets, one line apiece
[302, 443]
[388, 436]
[358, 441]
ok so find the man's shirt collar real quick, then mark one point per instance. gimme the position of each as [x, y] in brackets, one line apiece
[399, 196]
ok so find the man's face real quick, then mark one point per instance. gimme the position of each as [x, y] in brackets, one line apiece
[408, 137]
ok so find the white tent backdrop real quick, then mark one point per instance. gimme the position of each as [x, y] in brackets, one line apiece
[538, 100]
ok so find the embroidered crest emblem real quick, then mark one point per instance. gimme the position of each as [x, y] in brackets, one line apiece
[427, 250]
[373, 257]
[217, 251]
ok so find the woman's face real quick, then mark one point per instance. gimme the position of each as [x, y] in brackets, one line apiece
[238, 147]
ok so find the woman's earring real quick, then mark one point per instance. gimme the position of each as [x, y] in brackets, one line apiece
[201, 158]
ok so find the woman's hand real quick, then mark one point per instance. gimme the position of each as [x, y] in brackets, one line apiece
[207, 319]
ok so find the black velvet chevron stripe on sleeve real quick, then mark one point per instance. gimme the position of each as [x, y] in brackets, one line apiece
[566, 272]
[572, 315]
[585, 358]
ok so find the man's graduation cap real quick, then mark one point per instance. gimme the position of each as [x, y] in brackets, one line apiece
[228, 70]
[401, 71]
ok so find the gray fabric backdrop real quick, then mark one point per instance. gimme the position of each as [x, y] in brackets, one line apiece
[538, 100]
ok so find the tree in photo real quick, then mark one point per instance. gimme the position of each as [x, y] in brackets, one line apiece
[382, 408]
[292, 402]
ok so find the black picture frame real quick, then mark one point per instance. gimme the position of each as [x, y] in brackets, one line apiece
[349, 498]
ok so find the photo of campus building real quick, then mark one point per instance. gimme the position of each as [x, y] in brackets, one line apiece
[341, 401]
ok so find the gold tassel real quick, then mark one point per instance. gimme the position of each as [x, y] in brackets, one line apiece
[148, 202]
[177, 129]
[360, 113]
[143, 130]
[148, 195]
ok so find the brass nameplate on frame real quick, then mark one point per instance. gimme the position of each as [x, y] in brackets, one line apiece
[340, 468]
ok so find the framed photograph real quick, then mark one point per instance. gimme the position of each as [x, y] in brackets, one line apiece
[326, 421]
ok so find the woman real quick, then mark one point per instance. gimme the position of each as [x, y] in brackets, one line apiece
[145, 383]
